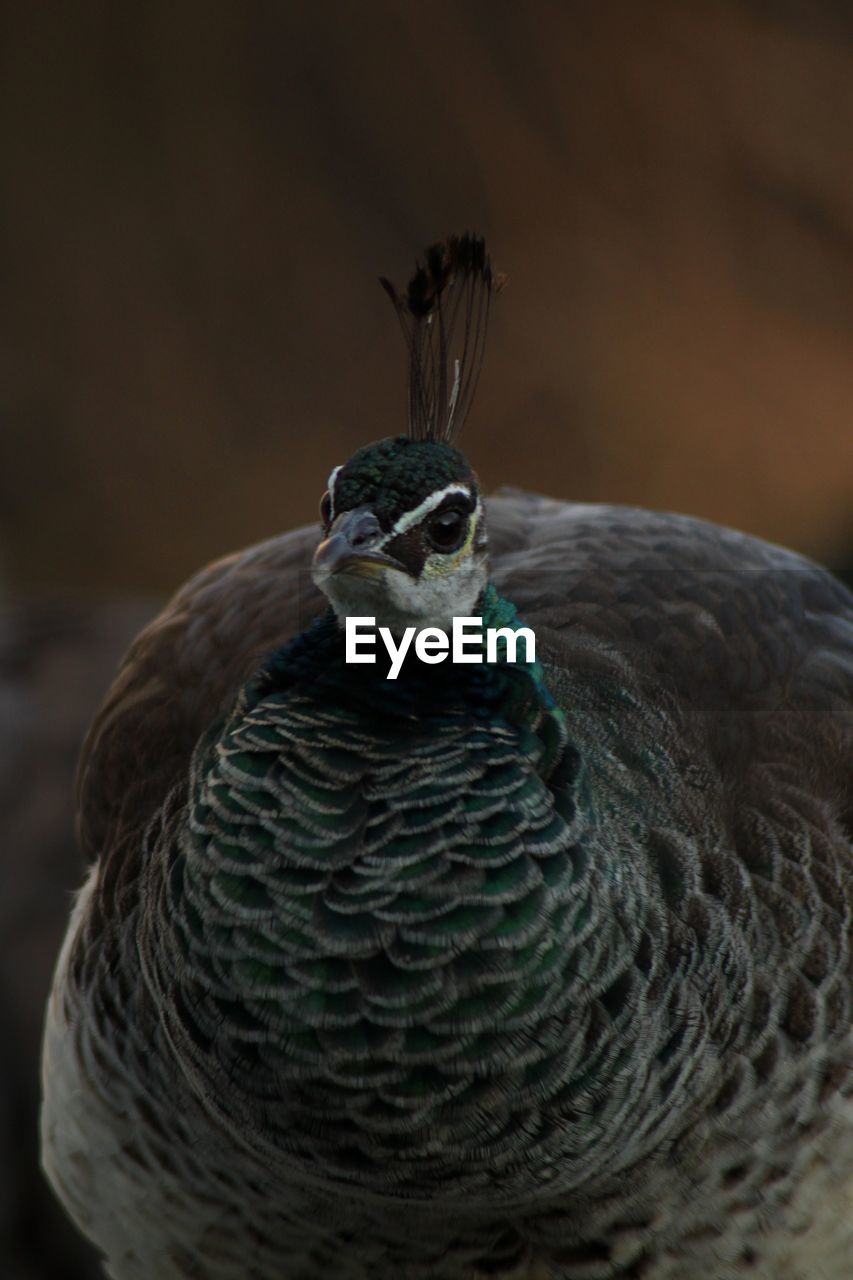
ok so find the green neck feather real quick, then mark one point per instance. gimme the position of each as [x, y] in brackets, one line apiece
[314, 663]
[380, 907]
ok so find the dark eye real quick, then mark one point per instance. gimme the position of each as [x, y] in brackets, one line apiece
[447, 529]
[325, 509]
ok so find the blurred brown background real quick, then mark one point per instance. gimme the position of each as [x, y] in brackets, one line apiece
[196, 202]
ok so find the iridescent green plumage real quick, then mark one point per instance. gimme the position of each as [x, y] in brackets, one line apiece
[392, 476]
[404, 893]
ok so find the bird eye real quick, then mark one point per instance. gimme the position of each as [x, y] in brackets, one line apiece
[326, 509]
[447, 529]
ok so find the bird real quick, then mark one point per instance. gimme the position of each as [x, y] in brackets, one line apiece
[534, 965]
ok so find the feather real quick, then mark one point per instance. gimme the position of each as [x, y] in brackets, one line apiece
[444, 316]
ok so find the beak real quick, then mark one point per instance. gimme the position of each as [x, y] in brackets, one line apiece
[350, 545]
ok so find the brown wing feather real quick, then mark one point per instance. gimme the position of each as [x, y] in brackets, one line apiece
[180, 674]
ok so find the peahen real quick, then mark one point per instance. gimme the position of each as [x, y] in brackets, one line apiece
[510, 969]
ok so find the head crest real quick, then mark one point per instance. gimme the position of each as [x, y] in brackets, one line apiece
[444, 315]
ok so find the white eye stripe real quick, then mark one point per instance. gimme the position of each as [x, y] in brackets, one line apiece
[330, 488]
[408, 518]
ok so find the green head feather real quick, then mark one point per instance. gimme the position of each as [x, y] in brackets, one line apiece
[393, 476]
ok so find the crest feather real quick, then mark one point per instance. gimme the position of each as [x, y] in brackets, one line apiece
[444, 316]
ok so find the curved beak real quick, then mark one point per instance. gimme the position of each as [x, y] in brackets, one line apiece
[351, 547]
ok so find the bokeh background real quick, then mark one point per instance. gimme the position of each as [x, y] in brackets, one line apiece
[196, 202]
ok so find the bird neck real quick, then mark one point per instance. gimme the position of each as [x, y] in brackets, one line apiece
[315, 663]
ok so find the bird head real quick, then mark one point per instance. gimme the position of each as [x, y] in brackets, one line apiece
[404, 535]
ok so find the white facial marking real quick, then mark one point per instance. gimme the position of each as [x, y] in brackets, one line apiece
[408, 518]
[330, 486]
[450, 583]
